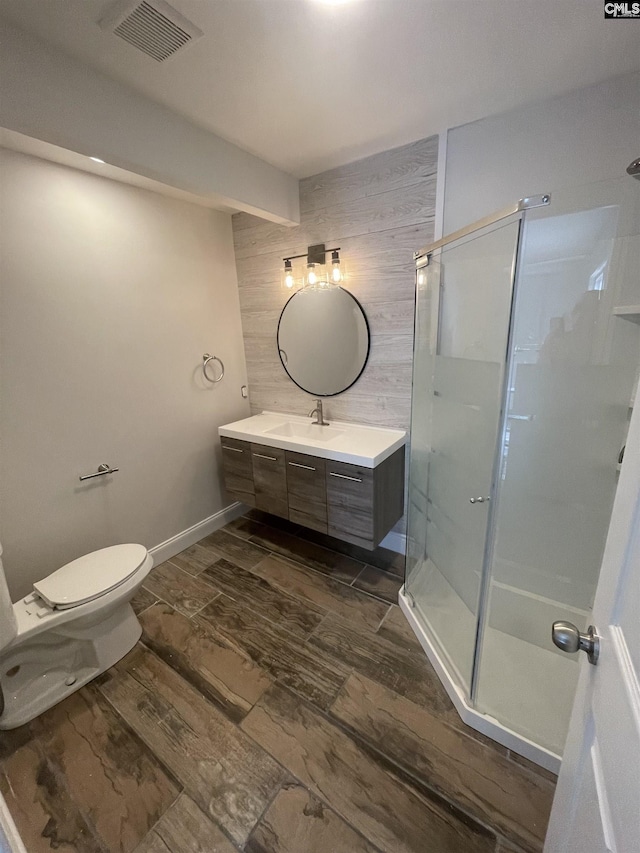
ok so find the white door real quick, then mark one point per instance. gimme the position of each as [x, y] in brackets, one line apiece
[597, 802]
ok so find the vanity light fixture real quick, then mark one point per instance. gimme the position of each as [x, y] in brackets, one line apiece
[316, 275]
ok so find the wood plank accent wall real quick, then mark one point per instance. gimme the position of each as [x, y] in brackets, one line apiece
[379, 211]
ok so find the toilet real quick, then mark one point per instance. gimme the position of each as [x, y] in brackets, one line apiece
[75, 624]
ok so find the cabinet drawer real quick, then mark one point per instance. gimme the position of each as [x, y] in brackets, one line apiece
[270, 479]
[306, 477]
[350, 486]
[313, 516]
[238, 470]
[350, 503]
[352, 525]
[236, 457]
[307, 489]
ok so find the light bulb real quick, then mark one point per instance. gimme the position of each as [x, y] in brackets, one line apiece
[312, 277]
[287, 275]
[336, 272]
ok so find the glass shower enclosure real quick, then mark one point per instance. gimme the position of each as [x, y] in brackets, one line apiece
[527, 347]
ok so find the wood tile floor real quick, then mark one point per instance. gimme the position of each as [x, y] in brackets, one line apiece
[277, 703]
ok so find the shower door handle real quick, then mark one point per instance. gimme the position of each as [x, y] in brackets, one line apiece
[569, 639]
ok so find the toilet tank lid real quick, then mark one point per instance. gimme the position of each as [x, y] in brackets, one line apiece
[91, 576]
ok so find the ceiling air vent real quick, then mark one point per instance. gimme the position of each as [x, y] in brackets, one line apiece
[151, 26]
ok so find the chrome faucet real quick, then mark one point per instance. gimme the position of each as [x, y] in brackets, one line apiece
[320, 417]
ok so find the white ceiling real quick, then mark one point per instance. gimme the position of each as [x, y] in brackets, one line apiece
[308, 85]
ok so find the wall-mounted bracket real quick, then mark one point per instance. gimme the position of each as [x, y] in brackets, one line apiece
[316, 254]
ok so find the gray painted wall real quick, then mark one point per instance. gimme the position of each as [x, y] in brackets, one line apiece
[589, 135]
[110, 295]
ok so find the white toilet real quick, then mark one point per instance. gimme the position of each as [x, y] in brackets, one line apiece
[75, 624]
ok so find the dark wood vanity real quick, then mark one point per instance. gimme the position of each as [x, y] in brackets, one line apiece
[354, 503]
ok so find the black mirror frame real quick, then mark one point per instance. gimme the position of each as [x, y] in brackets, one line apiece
[364, 363]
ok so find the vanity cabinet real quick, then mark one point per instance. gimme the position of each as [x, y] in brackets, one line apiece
[350, 502]
[270, 479]
[306, 484]
[363, 504]
[238, 470]
[350, 497]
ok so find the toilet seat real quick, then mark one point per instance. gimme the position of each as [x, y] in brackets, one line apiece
[91, 576]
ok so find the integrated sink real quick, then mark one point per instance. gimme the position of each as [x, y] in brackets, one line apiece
[356, 444]
[315, 432]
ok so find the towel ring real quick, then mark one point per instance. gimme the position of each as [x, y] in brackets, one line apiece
[206, 358]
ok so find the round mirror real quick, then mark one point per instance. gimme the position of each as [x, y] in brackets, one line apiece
[323, 340]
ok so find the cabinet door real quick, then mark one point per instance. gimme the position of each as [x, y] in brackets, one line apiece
[306, 485]
[238, 470]
[270, 479]
[350, 503]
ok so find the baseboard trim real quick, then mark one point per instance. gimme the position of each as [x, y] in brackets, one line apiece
[170, 547]
[395, 542]
[483, 723]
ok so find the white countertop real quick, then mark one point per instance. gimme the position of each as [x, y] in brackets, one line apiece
[356, 444]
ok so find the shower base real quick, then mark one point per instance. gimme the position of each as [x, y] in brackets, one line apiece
[484, 723]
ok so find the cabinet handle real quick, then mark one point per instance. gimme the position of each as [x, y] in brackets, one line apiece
[234, 449]
[270, 458]
[344, 477]
[298, 465]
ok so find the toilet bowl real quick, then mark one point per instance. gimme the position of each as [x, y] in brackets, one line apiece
[75, 624]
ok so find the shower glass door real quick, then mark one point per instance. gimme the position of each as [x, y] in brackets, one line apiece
[464, 303]
[574, 358]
